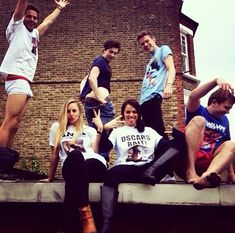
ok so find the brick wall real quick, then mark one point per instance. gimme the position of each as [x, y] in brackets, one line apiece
[68, 48]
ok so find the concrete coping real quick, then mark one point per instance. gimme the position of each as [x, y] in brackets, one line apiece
[160, 194]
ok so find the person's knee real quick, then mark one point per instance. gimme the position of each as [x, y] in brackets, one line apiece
[197, 122]
[230, 145]
[76, 157]
[11, 124]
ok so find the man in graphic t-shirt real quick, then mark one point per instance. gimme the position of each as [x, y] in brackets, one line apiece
[157, 82]
[19, 64]
[210, 149]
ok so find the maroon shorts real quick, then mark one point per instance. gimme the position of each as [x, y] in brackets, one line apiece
[203, 160]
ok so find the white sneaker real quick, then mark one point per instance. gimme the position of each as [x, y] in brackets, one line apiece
[168, 179]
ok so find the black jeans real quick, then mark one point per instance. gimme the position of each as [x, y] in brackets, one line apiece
[133, 174]
[152, 114]
[124, 174]
[77, 174]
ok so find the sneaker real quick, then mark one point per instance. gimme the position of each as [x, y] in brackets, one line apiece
[168, 179]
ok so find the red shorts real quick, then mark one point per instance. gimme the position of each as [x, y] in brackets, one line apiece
[203, 160]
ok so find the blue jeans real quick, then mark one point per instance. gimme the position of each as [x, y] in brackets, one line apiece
[106, 114]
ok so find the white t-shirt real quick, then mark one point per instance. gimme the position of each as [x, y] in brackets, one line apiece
[84, 140]
[22, 55]
[133, 147]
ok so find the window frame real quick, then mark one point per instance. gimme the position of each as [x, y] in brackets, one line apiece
[184, 51]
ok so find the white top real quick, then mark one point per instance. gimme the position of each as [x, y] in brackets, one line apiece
[133, 147]
[22, 55]
[83, 140]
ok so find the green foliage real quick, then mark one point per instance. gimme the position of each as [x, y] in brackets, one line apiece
[33, 165]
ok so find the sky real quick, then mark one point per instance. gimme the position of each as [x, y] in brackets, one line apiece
[214, 42]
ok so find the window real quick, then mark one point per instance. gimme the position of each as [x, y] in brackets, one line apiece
[184, 52]
[186, 95]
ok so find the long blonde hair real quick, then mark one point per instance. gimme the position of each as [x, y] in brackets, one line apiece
[63, 121]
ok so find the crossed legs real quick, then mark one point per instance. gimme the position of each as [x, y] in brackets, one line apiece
[223, 159]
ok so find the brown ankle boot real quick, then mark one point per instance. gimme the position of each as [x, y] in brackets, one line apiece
[87, 220]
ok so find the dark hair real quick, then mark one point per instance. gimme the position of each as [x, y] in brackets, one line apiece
[221, 96]
[112, 44]
[30, 6]
[144, 33]
[134, 103]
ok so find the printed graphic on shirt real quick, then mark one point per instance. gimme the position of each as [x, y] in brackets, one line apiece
[153, 67]
[211, 140]
[35, 45]
[216, 130]
[215, 126]
[136, 147]
[136, 154]
[135, 140]
[69, 145]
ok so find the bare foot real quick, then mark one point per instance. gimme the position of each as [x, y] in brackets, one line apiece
[191, 177]
[201, 183]
[211, 180]
[231, 179]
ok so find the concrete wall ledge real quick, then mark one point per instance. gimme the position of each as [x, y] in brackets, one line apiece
[160, 194]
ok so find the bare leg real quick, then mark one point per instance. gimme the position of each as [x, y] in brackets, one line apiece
[224, 157]
[231, 174]
[16, 106]
[194, 136]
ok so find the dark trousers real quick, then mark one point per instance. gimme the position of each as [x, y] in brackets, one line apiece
[133, 174]
[124, 174]
[152, 114]
[77, 174]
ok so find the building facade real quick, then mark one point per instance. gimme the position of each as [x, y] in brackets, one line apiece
[68, 48]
